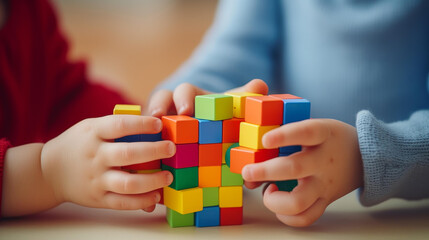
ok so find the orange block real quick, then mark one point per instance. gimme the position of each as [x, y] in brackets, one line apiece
[231, 130]
[241, 156]
[264, 110]
[180, 129]
[285, 96]
[210, 154]
[209, 176]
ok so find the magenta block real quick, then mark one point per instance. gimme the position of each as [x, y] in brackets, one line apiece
[186, 156]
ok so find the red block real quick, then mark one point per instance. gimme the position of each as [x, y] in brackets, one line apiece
[186, 156]
[231, 130]
[231, 216]
[241, 156]
[264, 110]
[210, 154]
[144, 166]
[180, 129]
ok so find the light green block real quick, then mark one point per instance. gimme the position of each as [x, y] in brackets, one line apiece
[229, 178]
[176, 219]
[213, 107]
[210, 196]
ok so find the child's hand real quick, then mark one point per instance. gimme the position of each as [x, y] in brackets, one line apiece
[82, 164]
[328, 167]
[181, 101]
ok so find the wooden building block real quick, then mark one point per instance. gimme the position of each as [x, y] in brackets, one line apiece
[228, 154]
[209, 176]
[184, 201]
[239, 102]
[296, 110]
[148, 171]
[180, 129]
[127, 109]
[213, 107]
[241, 156]
[210, 196]
[251, 134]
[183, 178]
[231, 130]
[231, 216]
[264, 110]
[176, 219]
[231, 196]
[229, 178]
[208, 217]
[186, 156]
[209, 131]
[156, 164]
[287, 185]
[285, 96]
[210, 154]
[225, 147]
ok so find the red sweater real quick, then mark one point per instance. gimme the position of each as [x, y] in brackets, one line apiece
[42, 93]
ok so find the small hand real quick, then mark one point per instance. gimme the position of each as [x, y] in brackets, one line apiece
[328, 167]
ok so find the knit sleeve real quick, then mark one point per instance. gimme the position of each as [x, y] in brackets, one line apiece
[395, 157]
[4, 145]
[240, 46]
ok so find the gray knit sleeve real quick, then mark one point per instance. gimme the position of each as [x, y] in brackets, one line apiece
[395, 158]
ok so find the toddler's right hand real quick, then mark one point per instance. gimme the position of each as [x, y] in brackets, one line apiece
[83, 164]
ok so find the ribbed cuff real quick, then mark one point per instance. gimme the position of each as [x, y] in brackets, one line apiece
[4, 145]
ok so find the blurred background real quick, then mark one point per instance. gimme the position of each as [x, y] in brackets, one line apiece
[134, 44]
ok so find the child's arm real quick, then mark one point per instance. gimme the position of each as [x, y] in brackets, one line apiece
[82, 166]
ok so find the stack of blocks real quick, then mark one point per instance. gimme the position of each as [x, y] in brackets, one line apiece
[207, 186]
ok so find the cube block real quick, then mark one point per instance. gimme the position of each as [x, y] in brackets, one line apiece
[231, 216]
[127, 109]
[156, 164]
[148, 171]
[184, 201]
[251, 134]
[287, 186]
[208, 217]
[210, 196]
[228, 154]
[241, 156]
[225, 147]
[213, 107]
[186, 156]
[264, 110]
[180, 129]
[285, 96]
[210, 131]
[239, 102]
[296, 110]
[183, 177]
[229, 178]
[231, 130]
[176, 219]
[288, 150]
[231, 196]
[209, 176]
[210, 154]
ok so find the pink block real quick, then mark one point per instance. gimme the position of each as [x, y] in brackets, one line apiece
[186, 156]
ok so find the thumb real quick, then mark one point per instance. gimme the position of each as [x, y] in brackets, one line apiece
[254, 86]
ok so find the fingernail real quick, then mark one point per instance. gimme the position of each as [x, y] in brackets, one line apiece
[182, 109]
[157, 125]
[171, 149]
[247, 173]
[155, 112]
[169, 178]
[157, 197]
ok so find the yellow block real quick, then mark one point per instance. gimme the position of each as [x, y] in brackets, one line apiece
[184, 201]
[225, 147]
[231, 196]
[251, 134]
[239, 102]
[127, 109]
[148, 171]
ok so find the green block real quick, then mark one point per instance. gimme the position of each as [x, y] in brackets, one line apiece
[229, 178]
[183, 177]
[210, 196]
[176, 219]
[287, 186]
[213, 107]
[228, 154]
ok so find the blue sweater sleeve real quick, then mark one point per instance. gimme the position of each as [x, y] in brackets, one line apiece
[239, 47]
[395, 157]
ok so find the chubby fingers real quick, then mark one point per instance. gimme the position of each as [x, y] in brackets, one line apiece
[161, 104]
[116, 126]
[131, 202]
[254, 86]
[309, 132]
[184, 98]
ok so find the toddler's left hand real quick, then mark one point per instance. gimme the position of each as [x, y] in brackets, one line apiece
[328, 167]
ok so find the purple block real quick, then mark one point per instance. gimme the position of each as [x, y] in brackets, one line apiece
[186, 156]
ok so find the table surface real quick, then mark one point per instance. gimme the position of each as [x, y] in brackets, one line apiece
[344, 219]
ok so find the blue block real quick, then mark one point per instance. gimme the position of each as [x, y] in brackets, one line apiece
[285, 151]
[141, 138]
[295, 110]
[209, 131]
[208, 217]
